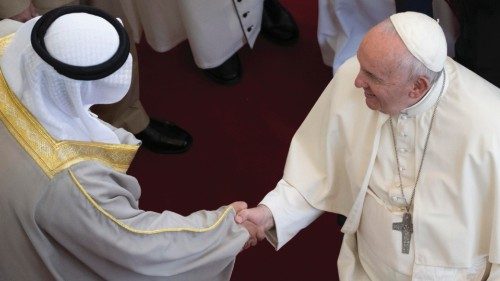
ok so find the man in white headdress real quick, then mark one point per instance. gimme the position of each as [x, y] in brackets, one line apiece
[68, 209]
[128, 113]
[405, 142]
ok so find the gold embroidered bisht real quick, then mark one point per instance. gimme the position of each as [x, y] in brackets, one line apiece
[68, 211]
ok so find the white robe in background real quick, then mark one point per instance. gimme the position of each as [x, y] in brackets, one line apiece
[342, 160]
[342, 24]
[215, 29]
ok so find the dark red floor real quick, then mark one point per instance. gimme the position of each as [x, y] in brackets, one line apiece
[241, 137]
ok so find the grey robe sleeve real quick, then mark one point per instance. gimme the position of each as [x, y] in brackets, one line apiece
[92, 215]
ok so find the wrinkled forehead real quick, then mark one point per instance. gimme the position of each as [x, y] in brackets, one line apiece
[375, 56]
[381, 51]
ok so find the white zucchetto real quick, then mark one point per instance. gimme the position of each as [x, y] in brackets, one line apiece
[423, 37]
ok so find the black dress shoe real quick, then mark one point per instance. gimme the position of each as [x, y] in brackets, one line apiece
[278, 24]
[228, 73]
[164, 137]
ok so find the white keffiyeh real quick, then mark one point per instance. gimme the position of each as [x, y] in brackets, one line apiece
[59, 103]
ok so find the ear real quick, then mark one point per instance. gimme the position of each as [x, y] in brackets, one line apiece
[420, 87]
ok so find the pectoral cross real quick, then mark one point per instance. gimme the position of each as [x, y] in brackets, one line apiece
[406, 228]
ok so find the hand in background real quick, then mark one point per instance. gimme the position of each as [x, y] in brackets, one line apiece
[26, 15]
[260, 217]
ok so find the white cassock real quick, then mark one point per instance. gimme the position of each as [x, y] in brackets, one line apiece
[342, 24]
[215, 29]
[342, 160]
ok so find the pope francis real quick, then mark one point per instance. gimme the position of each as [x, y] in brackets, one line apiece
[405, 142]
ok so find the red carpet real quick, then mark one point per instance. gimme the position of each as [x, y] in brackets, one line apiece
[241, 137]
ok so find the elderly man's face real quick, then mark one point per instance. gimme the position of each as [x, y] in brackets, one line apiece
[385, 84]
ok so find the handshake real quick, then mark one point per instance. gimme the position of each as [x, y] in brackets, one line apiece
[256, 220]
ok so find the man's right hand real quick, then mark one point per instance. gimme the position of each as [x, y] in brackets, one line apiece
[26, 14]
[250, 227]
[260, 216]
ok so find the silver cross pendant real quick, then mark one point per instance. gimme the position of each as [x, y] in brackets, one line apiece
[406, 228]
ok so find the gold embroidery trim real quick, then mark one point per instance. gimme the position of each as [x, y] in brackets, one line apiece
[4, 41]
[140, 231]
[52, 155]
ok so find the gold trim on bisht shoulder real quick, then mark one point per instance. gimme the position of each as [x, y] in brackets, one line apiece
[50, 154]
[4, 41]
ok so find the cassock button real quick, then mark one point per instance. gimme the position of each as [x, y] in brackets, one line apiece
[250, 28]
[397, 199]
[402, 168]
[238, 1]
[245, 14]
[402, 150]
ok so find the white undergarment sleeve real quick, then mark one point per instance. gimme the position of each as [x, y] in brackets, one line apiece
[291, 213]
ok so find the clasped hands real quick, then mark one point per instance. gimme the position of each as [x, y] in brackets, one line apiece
[256, 220]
